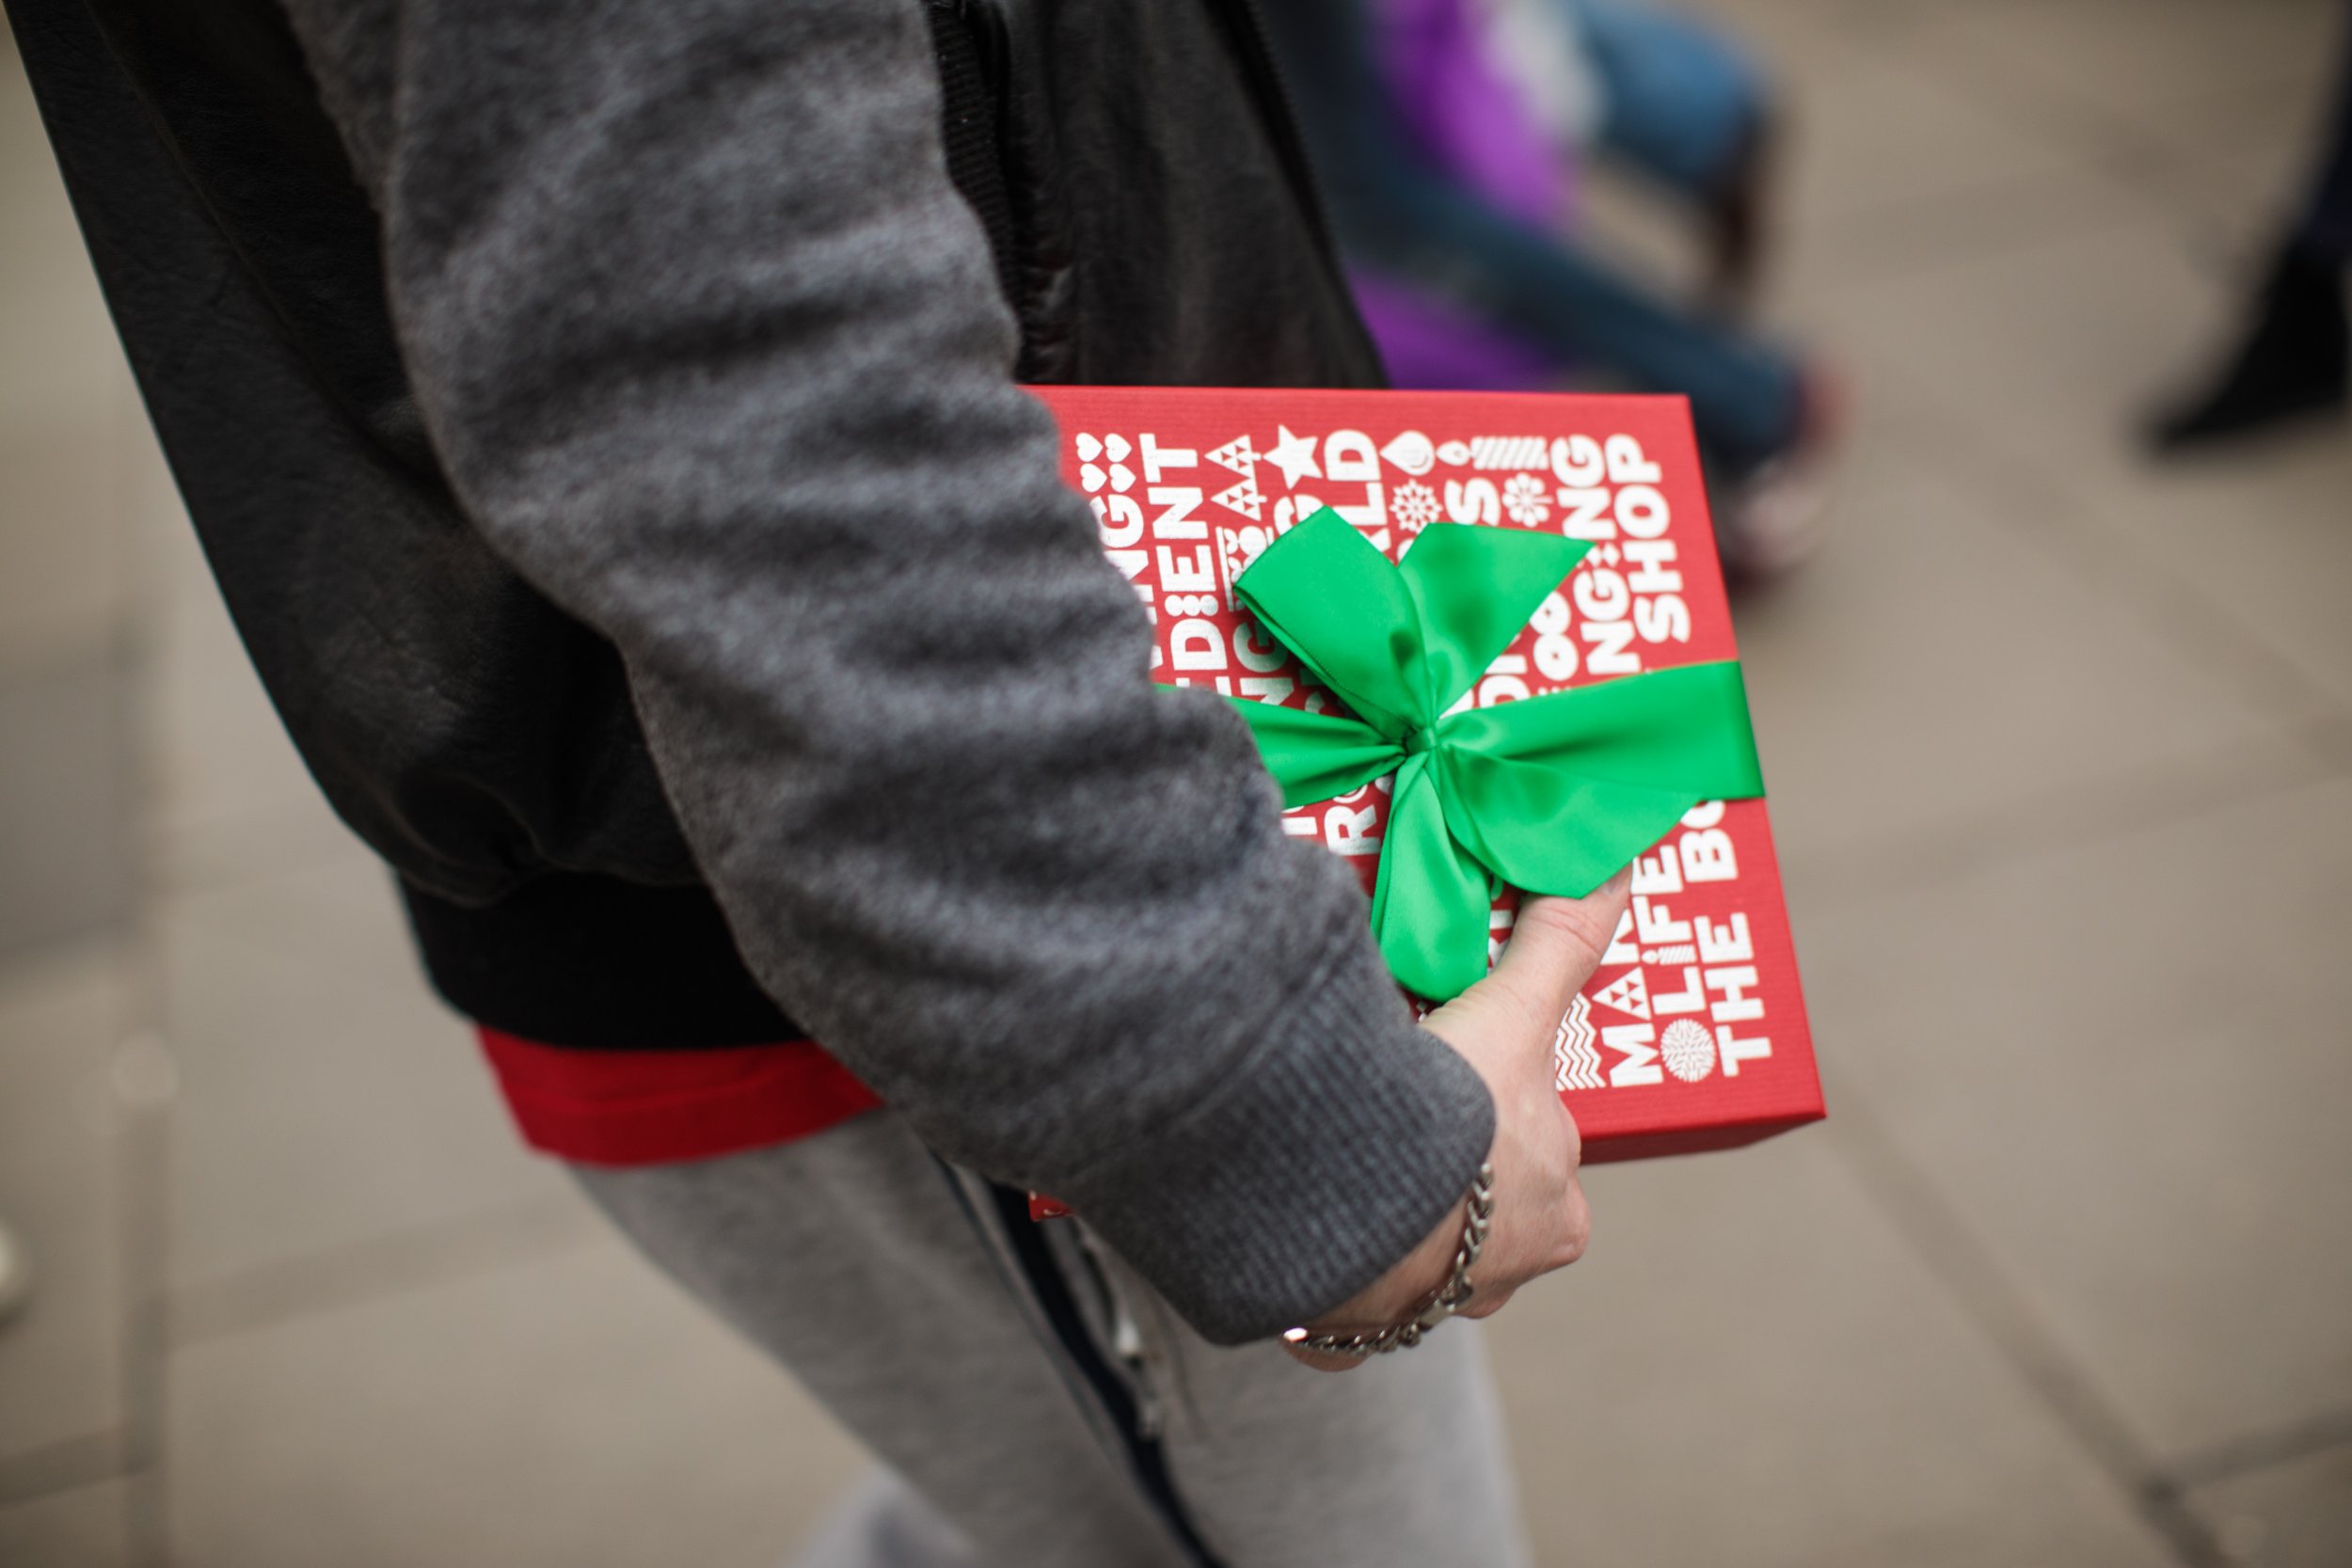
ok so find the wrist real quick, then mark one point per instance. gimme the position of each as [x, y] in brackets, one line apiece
[1336, 1147]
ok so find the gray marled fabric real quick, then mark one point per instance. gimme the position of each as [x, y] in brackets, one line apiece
[714, 352]
[928, 1348]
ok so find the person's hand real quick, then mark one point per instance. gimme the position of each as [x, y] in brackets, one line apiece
[1504, 1026]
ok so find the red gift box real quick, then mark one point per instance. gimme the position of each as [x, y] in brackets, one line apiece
[1693, 1035]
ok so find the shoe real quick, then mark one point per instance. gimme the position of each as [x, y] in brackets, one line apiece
[1777, 516]
[16, 1274]
[2297, 360]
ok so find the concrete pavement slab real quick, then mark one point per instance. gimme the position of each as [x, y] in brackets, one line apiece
[1751, 1366]
[321, 1104]
[2124, 1063]
[573, 1412]
[61, 1374]
[82, 1527]
[62, 362]
[69, 798]
[2125, 72]
[2298, 1514]
[65, 577]
[1930, 664]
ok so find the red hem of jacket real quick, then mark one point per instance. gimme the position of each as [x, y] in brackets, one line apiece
[658, 1107]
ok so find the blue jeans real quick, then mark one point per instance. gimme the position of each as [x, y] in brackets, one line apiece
[1401, 218]
[1679, 99]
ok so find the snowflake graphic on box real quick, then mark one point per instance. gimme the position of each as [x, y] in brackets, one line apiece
[1414, 506]
[1524, 499]
[1689, 1049]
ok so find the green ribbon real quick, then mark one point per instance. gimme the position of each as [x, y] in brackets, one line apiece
[1551, 794]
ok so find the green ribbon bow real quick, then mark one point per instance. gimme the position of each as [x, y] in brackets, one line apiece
[1551, 794]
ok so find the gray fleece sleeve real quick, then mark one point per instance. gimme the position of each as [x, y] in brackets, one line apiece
[714, 354]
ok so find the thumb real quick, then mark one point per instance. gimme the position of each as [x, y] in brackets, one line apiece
[1556, 944]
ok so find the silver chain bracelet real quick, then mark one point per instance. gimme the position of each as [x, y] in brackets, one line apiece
[1438, 1305]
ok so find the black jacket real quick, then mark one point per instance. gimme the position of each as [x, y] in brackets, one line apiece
[1143, 191]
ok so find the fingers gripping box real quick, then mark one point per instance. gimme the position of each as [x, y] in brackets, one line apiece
[1693, 1035]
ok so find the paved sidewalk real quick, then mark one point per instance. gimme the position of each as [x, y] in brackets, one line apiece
[2060, 748]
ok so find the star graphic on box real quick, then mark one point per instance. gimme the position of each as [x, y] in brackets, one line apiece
[1295, 456]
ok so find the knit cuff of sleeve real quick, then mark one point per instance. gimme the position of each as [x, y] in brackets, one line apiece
[1322, 1159]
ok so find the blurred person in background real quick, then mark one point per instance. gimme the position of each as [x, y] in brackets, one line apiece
[1666, 96]
[1448, 134]
[603, 426]
[2293, 358]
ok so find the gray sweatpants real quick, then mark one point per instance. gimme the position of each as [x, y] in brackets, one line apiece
[1036, 1404]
